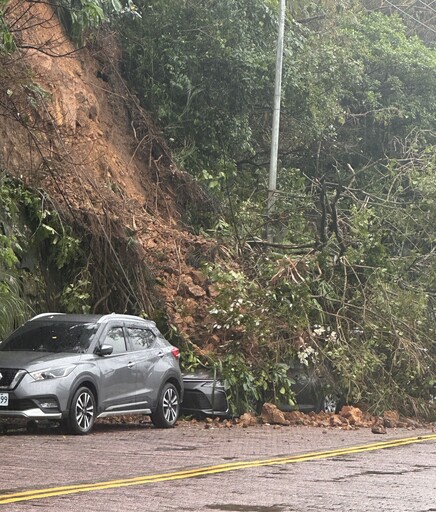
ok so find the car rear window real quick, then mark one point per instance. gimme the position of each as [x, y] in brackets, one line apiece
[57, 337]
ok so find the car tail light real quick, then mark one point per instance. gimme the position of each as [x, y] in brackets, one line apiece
[176, 352]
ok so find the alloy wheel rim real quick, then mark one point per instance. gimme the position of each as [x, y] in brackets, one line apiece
[84, 411]
[170, 404]
[330, 403]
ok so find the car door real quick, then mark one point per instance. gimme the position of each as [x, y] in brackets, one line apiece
[117, 372]
[148, 353]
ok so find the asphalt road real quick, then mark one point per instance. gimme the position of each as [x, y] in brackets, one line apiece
[191, 468]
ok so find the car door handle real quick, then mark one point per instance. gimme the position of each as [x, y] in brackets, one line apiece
[160, 353]
[131, 365]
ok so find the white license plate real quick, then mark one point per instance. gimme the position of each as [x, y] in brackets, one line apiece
[4, 399]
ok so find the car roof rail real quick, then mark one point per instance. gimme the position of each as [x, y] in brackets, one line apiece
[45, 315]
[96, 318]
[127, 318]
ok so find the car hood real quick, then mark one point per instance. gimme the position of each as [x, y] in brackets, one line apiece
[201, 376]
[36, 360]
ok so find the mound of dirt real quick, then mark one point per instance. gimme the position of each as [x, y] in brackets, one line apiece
[348, 418]
[70, 126]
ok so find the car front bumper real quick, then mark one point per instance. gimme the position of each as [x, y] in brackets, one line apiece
[30, 414]
[31, 408]
[204, 397]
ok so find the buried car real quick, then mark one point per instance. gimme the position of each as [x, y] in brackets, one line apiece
[74, 369]
[315, 390]
[205, 394]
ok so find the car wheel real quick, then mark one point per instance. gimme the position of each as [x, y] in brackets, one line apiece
[82, 412]
[168, 407]
[329, 403]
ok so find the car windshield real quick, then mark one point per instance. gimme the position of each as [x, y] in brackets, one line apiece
[51, 337]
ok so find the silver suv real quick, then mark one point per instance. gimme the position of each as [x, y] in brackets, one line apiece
[76, 368]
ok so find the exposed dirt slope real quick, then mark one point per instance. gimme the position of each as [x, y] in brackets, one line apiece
[69, 125]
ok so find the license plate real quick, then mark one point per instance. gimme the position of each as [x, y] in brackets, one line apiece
[4, 399]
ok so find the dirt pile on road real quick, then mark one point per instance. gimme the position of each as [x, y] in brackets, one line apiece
[348, 418]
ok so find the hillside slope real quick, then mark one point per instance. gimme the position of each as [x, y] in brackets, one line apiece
[69, 125]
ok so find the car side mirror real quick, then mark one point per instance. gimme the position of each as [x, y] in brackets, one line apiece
[105, 350]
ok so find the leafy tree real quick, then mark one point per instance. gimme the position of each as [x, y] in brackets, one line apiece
[81, 16]
[205, 69]
[13, 308]
[355, 206]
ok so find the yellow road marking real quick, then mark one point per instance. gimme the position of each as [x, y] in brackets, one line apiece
[208, 470]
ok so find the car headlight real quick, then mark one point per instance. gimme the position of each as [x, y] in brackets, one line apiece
[52, 373]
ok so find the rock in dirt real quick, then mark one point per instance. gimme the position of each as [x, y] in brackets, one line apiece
[336, 421]
[378, 429]
[273, 415]
[352, 414]
[296, 417]
[391, 419]
[247, 420]
[188, 288]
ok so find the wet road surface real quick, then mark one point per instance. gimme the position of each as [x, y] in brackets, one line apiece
[397, 478]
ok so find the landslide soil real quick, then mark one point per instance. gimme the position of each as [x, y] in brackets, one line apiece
[70, 126]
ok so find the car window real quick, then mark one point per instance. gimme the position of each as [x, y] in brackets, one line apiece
[141, 338]
[51, 337]
[115, 337]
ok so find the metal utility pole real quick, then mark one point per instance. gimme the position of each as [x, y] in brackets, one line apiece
[272, 185]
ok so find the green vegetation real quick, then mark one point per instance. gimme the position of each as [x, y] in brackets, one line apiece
[38, 258]
[81, 17]
[354, 251]
[6, 40]
[349, 283]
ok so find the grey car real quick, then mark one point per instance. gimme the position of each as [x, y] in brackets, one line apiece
[77, 368]
[205, 395]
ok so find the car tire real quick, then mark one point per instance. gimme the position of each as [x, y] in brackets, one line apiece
[83, 411]
[329, 403]
[168, 407]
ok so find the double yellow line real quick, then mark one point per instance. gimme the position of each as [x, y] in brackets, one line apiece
[210, 470]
